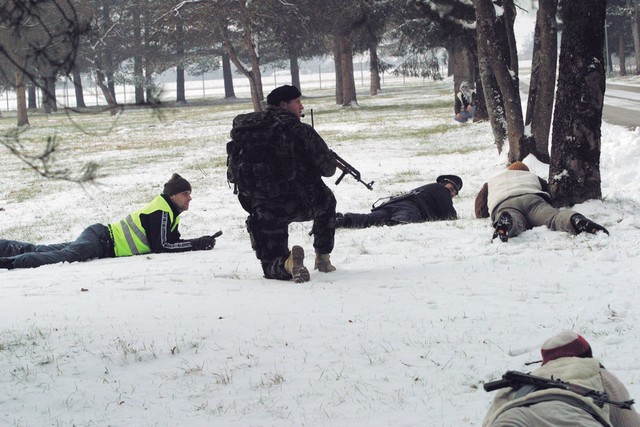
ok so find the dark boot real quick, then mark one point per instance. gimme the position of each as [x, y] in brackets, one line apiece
[6, 263]
[582, 224]
[503, 227]
[339, 220]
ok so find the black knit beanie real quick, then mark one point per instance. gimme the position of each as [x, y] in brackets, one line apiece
[175, 185]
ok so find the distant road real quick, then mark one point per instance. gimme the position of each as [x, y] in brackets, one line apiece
[622, 105]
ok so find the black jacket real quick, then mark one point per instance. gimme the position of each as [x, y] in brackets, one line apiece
[433, 200]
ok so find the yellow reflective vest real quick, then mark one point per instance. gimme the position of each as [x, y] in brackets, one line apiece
[130, 237]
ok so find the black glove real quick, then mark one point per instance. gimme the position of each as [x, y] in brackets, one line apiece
[203, 243]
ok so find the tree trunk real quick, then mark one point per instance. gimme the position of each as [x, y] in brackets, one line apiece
[338, 69]
[621, 56]
[32, 95]
[497, 55]
[543, 79]
[111, 84]
[252, 75]
[106, 55]
[294, 68]
[509, 20]
[574, 171]
[257, 94]
[374, 70]
[138, 67]
[346, 65]
[229, 92]
[111, 102]
[148, 84]
[180, 91]
[463, 65]
[635, 32]
[49, 100]
[77, 86]
[21, 98]
[500, 86]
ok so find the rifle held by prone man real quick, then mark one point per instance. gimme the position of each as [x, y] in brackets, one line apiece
[515, 379]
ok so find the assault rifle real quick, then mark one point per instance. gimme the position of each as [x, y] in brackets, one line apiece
[345, 167]
[517, 379]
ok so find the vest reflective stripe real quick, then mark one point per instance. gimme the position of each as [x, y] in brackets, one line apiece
[130, 238]
[128, 225]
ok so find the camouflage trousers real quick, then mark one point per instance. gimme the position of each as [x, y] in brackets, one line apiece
[268, 226]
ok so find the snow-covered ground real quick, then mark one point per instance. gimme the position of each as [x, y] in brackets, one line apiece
[405, 333]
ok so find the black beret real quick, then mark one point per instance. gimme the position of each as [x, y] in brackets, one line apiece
[283, 93]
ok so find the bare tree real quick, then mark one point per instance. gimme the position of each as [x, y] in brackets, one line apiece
[242, 21]
[501, 57]
[543, 79]
[41, 34]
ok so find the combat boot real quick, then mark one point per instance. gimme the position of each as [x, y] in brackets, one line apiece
[503, 227]
[294, 265]
[582, 224]
[323, 263]
[6, 263]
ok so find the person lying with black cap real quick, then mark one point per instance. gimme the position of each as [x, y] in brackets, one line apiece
[431, 202]
[152, 229]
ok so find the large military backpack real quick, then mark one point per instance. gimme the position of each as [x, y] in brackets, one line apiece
[260, 156]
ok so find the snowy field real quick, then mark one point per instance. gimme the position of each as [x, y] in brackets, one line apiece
[405, 333]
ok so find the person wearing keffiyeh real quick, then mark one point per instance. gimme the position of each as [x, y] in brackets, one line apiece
[465, 103]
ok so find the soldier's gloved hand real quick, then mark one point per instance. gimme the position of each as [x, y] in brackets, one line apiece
[203, 243]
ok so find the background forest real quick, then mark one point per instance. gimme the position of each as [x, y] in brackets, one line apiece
[135, 41]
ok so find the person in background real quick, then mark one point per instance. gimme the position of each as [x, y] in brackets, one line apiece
[518, 200]
[566, 356]
[431, 202]
[465, 103]
[154, 228]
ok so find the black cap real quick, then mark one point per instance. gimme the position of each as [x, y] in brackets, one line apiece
[283, 93]
[175, 185]
[454, 180]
